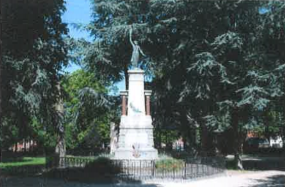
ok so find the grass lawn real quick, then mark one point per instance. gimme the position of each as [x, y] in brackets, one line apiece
[81, 157]
[24, 161]
[22, 166]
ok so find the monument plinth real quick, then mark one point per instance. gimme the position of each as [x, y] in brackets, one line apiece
[136, 130]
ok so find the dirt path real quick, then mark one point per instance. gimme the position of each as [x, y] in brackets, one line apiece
[230, 179]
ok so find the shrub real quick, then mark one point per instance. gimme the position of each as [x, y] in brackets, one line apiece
[169, 164]
[102, 166]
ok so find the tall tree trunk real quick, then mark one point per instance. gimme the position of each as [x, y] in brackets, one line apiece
[207, 140]
[61, 144]
[25, 146]
[266, 124]
[282, 128]
[158, 130]
[204, 135]
[61, 147]
[184, 129]
[126, 77]
[25, 134]
[237, 139]
[1, 86]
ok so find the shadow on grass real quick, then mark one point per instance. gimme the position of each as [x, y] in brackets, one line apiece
[276, 181]
[101, 170]
[82, 175]
[47, 182]
[259, 164]
[26, 170]
[16, 159]
[263, 165]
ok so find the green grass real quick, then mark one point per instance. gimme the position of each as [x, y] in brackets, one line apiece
[91, 157]
[24, 161]
[81, 157]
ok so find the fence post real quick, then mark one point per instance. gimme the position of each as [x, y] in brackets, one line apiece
[140, 169]
[197, 169]
[173, 170]
[185, 169]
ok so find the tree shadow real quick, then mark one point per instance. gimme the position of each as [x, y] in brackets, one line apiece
[82, 175]
[101, 170]
[16, 159]
[263, 165]
[276, 181]
[26, 170]
[259, 163]
[48, 182]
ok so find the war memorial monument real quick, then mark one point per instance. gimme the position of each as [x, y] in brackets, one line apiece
[136, 130]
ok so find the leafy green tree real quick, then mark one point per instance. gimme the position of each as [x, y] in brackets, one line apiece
[88, 111]
[34, 52]
[1, 64]
[274, 44]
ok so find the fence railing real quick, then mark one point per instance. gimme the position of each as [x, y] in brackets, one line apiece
[190, 168]
[65, 162]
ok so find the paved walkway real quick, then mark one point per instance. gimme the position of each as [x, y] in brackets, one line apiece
[239, 179]
[230, 179]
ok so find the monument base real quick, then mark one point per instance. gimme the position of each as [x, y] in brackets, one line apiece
[136, 139]
[130, 154]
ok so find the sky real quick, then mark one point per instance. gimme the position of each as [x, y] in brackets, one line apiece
[79, 12]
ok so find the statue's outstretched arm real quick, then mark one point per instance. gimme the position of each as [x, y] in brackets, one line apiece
[131, 32]
[142, 52]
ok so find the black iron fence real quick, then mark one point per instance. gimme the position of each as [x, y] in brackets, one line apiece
[190, 168]
[67, 162]
[91, 167]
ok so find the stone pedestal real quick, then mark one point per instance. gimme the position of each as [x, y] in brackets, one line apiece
[136, 130]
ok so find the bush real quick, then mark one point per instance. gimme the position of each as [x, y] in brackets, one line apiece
[102, 166]
[169, 164]
[100, 170]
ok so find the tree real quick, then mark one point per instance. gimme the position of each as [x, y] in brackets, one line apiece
[89, 110]
[34, 53]
[274, 44]
[1, 80]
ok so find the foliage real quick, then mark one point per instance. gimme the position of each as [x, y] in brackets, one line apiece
[102, 166]
[169, 164]
[34, 52]
[86, 128]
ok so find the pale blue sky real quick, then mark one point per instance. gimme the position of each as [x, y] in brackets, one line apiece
[79, 12]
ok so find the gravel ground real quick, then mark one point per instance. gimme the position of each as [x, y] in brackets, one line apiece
[230, 179]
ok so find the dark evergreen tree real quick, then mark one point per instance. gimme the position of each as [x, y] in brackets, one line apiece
[1, 135]
[34, 52]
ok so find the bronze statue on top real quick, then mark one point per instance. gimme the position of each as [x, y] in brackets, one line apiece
[136, 51]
